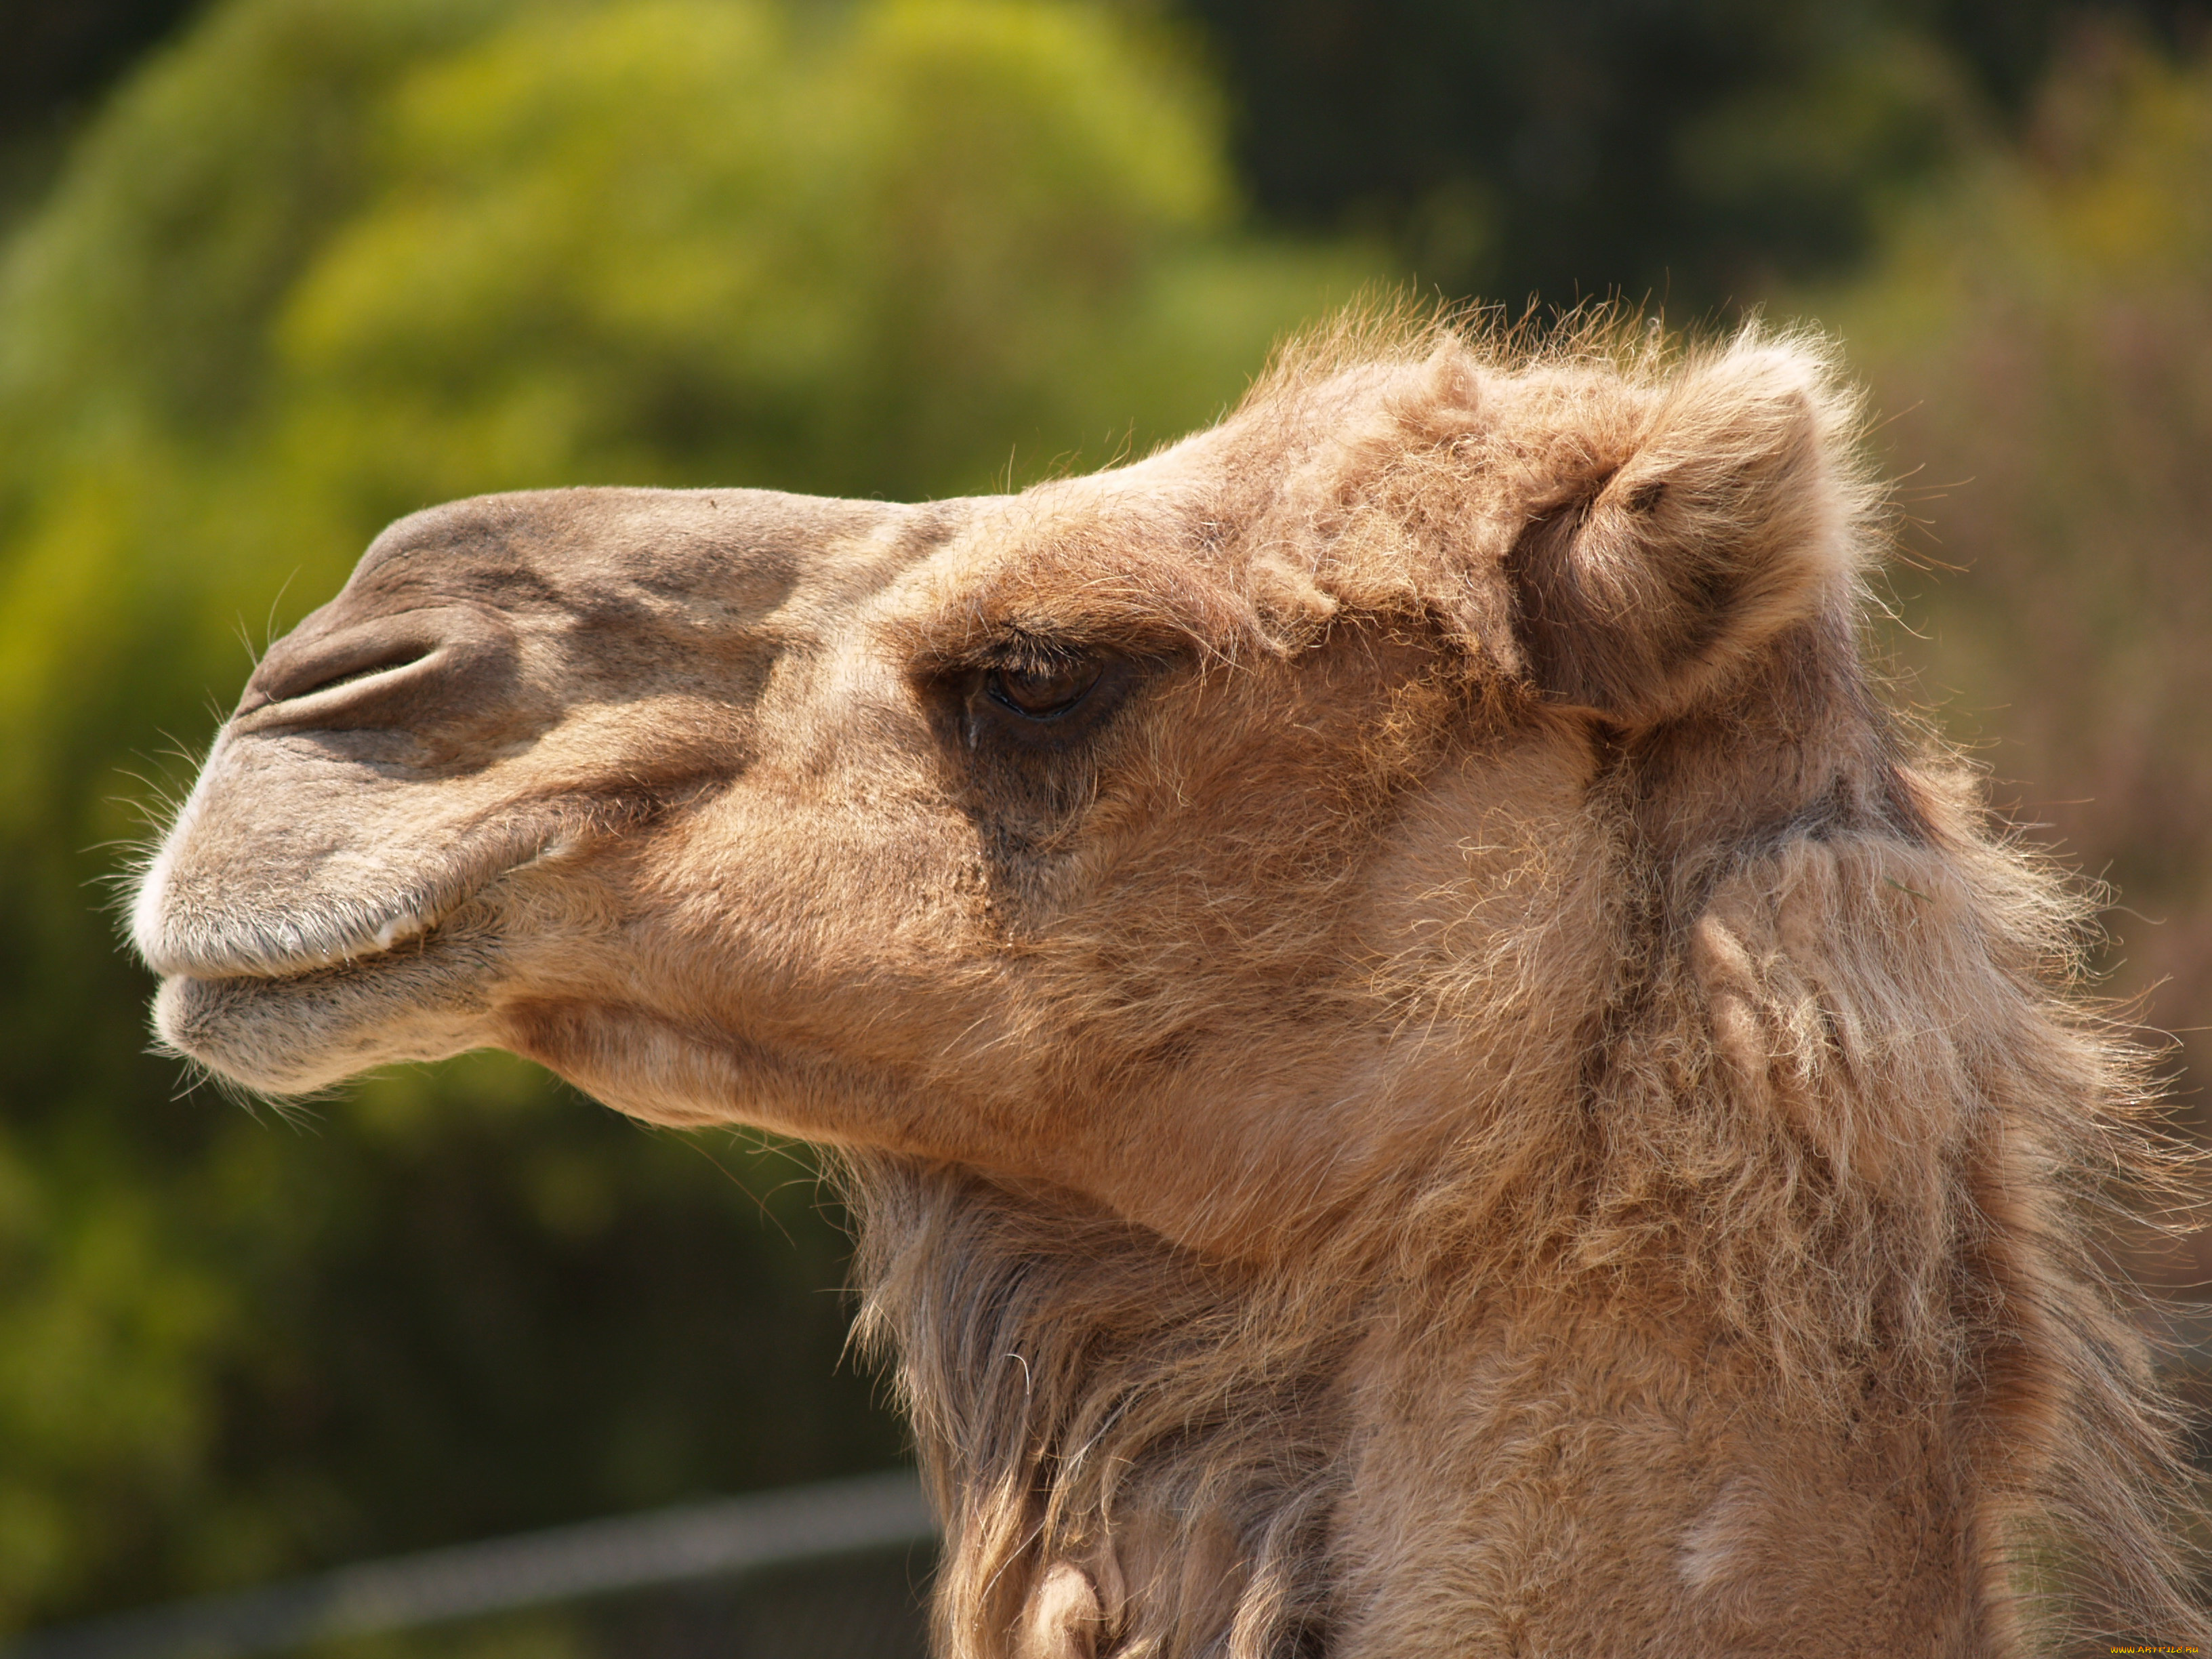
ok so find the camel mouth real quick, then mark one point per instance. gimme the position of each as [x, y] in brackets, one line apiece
[294, 1033]
[288, 993]
[421, 947]
[341, 937]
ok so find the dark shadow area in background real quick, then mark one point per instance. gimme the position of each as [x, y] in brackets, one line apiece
[57, 58]
[1589, 147]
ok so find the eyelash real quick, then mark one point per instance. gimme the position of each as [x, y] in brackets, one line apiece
[987, 702]
[1058, 689]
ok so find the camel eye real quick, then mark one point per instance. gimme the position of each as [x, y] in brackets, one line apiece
[1046, 691]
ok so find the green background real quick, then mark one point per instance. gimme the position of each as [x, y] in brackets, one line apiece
[277, 271]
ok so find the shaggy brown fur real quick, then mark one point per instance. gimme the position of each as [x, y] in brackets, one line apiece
[1422, 1067]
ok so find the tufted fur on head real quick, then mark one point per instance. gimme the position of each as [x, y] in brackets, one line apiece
[1752, 1233]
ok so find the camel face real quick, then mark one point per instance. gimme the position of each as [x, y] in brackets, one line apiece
[954, 830]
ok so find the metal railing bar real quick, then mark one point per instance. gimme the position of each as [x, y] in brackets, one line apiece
[500, 1575]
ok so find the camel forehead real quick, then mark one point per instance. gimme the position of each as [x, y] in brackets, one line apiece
[1325, 494]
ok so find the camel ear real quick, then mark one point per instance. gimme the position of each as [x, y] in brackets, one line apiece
[1732, 513]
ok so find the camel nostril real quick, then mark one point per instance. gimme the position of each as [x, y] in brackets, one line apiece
[294, 675]
[405, 658]
[414, 668]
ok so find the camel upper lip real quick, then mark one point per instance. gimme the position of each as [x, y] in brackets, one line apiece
[273, 948]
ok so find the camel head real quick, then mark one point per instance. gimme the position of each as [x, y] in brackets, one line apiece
[1098, 836]
[1421, 1066]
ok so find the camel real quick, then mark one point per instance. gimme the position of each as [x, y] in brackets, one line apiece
[1422, 1064]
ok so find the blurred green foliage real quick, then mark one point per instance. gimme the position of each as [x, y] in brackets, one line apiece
[330, 260]
[324, 261]
[1686, 153]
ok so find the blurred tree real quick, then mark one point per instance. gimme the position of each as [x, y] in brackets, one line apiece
[328, 260]
[1693, 150]
[1696, 150]
[57, 58]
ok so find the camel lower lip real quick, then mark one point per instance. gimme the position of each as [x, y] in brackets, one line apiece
[295, 1033]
